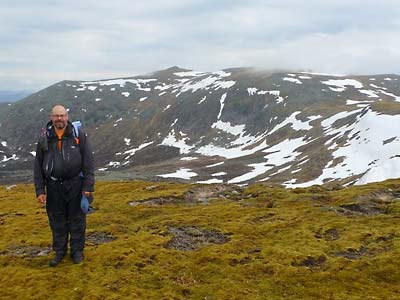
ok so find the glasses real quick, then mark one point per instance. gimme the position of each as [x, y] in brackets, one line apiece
[58, 116]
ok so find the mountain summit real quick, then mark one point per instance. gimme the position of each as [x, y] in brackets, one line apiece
[235, 126]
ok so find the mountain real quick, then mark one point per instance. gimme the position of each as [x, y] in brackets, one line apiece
[236, 126]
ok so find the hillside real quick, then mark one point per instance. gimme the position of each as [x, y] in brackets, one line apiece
[232, 126]
[152, 240]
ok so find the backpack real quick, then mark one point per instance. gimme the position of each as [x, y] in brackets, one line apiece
[76, 125]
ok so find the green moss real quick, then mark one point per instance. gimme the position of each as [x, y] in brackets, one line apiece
[283, 244]
[386, 107]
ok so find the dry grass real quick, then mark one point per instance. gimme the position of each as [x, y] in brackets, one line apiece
[309, 243]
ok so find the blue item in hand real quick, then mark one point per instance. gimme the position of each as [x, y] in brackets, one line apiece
[85, 204]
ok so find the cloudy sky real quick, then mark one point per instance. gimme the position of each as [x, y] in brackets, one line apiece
[46, 41]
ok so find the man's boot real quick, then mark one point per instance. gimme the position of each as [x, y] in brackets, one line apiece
[77, 257]
[56, 260]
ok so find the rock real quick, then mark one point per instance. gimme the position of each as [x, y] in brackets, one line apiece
[198, 194]
[191, 238]
[26, 251]
[311, 262]
[331, 234]
[98, 238]
[352, 253]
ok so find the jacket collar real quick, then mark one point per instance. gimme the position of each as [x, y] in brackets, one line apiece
[51, 132]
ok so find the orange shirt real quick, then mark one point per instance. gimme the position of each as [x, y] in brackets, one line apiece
[59, 133]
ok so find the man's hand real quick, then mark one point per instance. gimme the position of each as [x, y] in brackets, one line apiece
[41, 198]
[87, 194]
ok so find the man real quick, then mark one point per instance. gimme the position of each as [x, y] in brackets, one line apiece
[63, 173]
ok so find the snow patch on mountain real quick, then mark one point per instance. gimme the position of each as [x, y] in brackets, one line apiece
[363, 152]
[343, 83]
[202, 100]
[369, 93]
[189, 74]
[396, 98]
[227, 127]
[193, 81]
[213, 81]
[252, 91]
[234, 152]
[210, 181]
[132, 151]
[294, 80]
[384, 170]
[120, 82]
[285, 151]
[189, 158]
[215, 165]
[182, 173]
[222, 103]
[174, 141]
[12, 157]
[258, 169]
[219, 174]
[353, 102]
[295, 123]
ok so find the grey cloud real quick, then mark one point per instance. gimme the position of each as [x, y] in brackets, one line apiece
[47, 41]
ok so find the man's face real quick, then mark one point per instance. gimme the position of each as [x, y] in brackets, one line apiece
[59, 117]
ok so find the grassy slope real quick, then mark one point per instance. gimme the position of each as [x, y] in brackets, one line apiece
[277, 248]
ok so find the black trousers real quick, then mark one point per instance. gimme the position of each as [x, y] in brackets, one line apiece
[67, 221]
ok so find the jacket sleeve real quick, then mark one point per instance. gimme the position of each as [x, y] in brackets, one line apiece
[38, 175]
[87, 163]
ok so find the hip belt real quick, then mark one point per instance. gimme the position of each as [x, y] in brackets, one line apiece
[61, 179]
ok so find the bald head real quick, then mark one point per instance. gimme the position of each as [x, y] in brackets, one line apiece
[59, 116]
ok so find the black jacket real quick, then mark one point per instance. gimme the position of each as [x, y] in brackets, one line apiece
[76, 158]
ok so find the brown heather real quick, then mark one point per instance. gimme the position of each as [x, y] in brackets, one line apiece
[261, 242]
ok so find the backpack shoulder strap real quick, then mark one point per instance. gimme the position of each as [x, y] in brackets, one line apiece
[76, 125]
[76, 132]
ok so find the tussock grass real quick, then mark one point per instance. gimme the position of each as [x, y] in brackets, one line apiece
[282, 244]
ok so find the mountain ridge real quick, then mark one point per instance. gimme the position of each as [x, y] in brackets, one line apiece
[292, 128]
